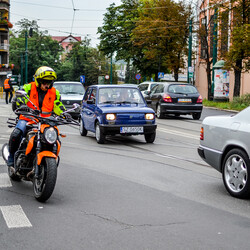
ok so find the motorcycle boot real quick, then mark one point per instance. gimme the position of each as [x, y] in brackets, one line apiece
[14, 141]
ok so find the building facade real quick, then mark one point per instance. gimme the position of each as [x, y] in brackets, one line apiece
[221, 30]
[5, 66]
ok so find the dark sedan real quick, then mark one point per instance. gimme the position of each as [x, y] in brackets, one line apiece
[175, 98]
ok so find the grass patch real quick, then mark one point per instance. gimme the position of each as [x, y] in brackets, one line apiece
[238, 103]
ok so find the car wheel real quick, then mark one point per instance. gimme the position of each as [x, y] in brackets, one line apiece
[100, 137]
[235, 171]
[150, 138]
[83, 131]
[159, 112]
[196, 116]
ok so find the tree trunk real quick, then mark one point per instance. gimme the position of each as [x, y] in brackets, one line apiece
[176, 74]
[237, 76]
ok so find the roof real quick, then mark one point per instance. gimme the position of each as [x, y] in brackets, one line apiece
[115, 86]
[61, 39]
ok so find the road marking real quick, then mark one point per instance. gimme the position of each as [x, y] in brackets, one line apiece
[15, 217]
[175, 132]
[5, 181]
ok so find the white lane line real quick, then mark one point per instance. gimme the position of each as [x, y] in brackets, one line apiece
[15, 217]
[5, 181]
[175, 132]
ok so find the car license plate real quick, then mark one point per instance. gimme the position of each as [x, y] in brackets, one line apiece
[124, 130]
[184, 100]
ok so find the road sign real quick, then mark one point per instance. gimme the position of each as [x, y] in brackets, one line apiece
[160, 74]
[190, 69]
[138, 76]
[82, 79]
[190, 74]
[106, 77]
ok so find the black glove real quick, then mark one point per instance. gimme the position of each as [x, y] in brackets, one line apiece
[24, 108]
[67, 116]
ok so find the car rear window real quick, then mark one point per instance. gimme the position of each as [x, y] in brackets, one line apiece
[182, 89]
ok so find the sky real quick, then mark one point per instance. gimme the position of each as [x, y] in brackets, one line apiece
[59, 17]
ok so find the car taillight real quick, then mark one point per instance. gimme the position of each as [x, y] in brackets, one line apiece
[202, 134]
[199, 100]
[166, 98]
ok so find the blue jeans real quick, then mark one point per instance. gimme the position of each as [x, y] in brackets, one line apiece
[15, 138]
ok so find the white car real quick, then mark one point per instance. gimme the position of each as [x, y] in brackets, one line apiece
[225, 145]
[146, 86]
[71, 92]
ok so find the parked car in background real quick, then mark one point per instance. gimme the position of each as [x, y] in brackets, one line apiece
[116, 109]
[175, 98]
[144, 87]
[225, 145]
[71, 92]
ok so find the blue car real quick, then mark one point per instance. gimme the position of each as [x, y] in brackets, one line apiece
[116, 109]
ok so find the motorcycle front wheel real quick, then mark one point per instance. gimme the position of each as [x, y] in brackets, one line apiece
[44, 185]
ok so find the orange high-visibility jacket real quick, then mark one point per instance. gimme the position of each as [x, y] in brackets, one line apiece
[48, 101]
[6, 84]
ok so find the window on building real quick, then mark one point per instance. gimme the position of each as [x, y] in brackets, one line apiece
[203, 35]
[224, 33]
[211, 34]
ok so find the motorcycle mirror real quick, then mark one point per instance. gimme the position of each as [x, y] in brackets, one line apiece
[76, 105]
[21, 93]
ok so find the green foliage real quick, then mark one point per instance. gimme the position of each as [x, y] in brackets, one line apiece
[42, 50]
[238, 103]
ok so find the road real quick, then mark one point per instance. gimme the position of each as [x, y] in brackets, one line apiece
[126, 194]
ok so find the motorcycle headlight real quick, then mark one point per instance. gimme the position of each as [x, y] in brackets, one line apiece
[50, 135]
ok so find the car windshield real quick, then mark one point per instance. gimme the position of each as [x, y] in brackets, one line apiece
[120, 96]
[69, 88]
[182, 89]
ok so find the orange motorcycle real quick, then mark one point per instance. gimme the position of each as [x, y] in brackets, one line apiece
[37, 157]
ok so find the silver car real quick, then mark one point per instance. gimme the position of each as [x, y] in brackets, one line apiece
[225, 145]
[71, 92]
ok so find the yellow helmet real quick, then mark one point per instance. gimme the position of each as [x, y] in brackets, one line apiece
[45, 74]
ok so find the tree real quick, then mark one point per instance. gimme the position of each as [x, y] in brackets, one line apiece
[42, 50]
[161, 33]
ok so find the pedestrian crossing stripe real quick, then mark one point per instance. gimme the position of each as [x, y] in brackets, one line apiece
[15, 217]
[5, 181]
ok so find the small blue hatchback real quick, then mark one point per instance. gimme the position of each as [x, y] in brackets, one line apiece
[116, 109]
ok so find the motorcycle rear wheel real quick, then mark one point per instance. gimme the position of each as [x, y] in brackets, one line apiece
[44, 186]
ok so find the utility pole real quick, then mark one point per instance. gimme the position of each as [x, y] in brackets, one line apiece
[26, 57]
[214, 46]
[111, 69]
[189, 50]
[21, 69]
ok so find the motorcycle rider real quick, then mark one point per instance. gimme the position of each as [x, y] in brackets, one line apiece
[45, 97]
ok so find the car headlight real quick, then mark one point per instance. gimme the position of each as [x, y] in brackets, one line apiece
[50, 135]
[110, 117]
[149, 116]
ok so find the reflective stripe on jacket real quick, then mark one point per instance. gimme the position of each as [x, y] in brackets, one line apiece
[48, 101]
[6, 84]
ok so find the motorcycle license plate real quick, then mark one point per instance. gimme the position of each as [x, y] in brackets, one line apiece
[125, 130]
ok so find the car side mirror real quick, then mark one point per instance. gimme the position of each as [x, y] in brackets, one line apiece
[147, 92]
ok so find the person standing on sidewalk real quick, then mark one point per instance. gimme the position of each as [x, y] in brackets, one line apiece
[8, 89]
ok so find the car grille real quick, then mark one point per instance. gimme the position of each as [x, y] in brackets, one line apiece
[134, 118]
[70, 102]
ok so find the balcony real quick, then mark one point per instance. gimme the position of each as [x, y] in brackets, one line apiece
[4, 47]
